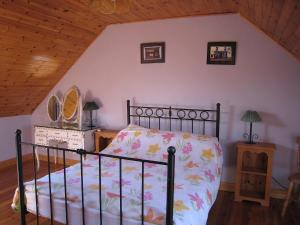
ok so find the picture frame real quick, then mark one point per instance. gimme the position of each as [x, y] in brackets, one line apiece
[221, 53]
[153, 52]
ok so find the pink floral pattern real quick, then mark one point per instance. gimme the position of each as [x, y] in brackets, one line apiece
[147, 196]
[123, 182]
[196, 201]
[167, 137]
[187, 149]
[136, 144]
[122, 135]
[209, 175]
[197, 177]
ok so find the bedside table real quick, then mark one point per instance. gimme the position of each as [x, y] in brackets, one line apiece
[103, 138]
[254, 172]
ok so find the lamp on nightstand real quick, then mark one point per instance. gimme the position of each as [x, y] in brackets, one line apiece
[90, 106]
[251, 117]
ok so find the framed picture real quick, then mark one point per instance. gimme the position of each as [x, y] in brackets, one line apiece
[222, 53]
[153, 52]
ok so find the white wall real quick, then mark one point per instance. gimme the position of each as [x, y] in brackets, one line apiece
[265, 78]
[8, 127]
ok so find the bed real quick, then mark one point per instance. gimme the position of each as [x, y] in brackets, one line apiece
[139, 181]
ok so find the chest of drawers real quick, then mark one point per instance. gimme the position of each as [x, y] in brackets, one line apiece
[74, 139]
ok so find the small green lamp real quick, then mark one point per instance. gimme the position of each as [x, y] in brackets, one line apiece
[90, 106]
[251, 117]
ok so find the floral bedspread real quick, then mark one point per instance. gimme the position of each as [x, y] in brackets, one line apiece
[197, 177]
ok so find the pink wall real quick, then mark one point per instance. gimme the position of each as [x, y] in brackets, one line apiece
[265, 78]
[8, 127]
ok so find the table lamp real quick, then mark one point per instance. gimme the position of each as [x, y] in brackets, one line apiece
[90, 106]
[251, 117]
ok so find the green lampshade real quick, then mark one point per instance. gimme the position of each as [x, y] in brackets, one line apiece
[90, 106]
[251, 116]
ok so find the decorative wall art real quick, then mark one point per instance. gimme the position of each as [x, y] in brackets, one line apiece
[222, 53]
[153, 52]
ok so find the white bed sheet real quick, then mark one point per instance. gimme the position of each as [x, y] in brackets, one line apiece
[197, 179]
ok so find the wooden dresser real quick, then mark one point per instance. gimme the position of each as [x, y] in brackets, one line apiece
[72, 138]
[254, 172]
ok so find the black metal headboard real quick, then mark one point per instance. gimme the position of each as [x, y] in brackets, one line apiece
[175, 114]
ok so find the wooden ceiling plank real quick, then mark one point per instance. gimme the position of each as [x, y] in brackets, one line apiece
[41, 49]
[234, 5]
[46, 21]
[20, 35]
[292, 24]
[32, 30]
[9, 55]
[35, 24]
[251, 8]
[73, 11]
[245, 10]
[26, 66]
[266, 14]
[41, 39]
[292, 43]
[277, 6]
[258, 12]
[296, 48]
[27, 43]
[286, 13]
[68, 16]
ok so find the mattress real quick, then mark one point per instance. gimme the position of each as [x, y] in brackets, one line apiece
[198, 161]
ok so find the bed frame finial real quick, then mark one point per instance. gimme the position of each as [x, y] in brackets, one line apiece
[170, 185]
[20, 177]
[128, 111]
[218, 121]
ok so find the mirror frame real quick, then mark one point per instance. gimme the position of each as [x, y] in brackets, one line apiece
[59, 105]
[76, 110]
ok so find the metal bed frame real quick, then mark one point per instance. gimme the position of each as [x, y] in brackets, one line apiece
[170, 114]
[133, 112]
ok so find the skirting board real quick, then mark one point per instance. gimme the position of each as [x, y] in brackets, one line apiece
[69, 162]
[12, 162]
[275, 193]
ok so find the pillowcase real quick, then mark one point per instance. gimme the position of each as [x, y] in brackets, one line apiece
[152, 144]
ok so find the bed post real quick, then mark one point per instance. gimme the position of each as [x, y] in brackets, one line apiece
[128, 111]
[20, 178]
[218, 121]
[170, 185]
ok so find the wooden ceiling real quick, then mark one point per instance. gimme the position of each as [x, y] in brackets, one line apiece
[41, 39]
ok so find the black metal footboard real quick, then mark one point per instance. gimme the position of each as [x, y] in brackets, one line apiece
[170, 181]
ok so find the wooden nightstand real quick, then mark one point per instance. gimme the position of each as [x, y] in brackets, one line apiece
[103, 138]
[254, 172]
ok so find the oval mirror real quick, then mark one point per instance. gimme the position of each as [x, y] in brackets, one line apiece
[53, 108]
[70, 103]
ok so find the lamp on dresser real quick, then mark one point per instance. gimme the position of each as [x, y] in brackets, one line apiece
[251, 117]
[90, 107]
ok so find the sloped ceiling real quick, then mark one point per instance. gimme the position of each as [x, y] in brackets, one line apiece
[41, 39]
